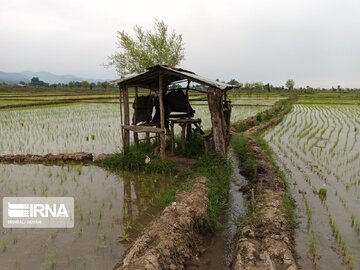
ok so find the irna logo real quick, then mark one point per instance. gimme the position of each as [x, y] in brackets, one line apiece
[38, 212]
[33, 210]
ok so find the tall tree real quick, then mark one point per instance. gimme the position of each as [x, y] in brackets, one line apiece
[290, 84]
[147, 48]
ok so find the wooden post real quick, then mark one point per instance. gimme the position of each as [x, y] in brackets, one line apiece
[121, 115]
[172, 130]
[188, 126]
[183, 136]
[126, 139]
[147, 138]
[136, 135]
[217, 120]
[162, 116]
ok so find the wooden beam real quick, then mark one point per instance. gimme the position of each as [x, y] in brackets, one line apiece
[126, 139]
[162, 115]
[143, 129]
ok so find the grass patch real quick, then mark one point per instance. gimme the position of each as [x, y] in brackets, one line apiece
[247, 160]
[281, 106]
[193, 147]
[218, 170]
[169, 196]
[138, 159]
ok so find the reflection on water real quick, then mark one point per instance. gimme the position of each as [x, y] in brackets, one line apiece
[109, 209]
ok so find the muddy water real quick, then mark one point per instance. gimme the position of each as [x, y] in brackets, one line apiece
[109, 210]
[219, 253]
[318, 146]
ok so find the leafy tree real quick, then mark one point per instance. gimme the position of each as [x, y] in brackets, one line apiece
[104, 84]
[71, 84]
[85, 84]
[147, 48]
[290, 84]
[234, 82]
[35, 81]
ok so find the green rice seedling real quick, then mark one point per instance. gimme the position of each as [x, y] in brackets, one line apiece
[51, 260]
[81, 214]
[79, 230]
[113, 222]
[323, 193]
[89, 217]
[79, 169]
[3, 245]
[100, 245]
[15, 239]
[313, 246]
[103, 235]
[124, 237]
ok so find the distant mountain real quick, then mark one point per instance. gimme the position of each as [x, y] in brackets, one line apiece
[13, 78]
[16, 77]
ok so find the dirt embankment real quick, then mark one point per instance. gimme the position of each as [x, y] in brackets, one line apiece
[172, 240]
[265, 242]
[48, 158]
[53, 102]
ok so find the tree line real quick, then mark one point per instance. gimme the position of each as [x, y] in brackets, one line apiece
[36, 82]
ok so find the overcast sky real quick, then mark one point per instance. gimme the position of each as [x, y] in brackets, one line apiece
[314, 42]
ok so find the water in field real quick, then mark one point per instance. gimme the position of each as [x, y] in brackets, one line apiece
[93, 127]
[318, 146]
[109, 210]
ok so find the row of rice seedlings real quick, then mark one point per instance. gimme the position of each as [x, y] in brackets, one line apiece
[288, 146]
[40, 129]
[355, 223]
[341, 242]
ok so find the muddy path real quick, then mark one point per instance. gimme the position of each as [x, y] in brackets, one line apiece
[266, 240]
[56, 102]
[172, 241]
[78, 157]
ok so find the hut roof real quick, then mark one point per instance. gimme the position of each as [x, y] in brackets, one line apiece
[150, 78]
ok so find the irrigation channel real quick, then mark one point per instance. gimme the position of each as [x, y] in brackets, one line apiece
[219, 253]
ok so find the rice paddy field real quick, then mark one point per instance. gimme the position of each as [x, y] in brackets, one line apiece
[318, 148]
[76, 127]
[110, 209]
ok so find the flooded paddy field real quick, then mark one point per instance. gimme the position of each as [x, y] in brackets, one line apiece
[110, 210]
[318, 147]
[87, 127]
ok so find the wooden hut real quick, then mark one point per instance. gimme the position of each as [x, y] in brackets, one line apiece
[157, 79]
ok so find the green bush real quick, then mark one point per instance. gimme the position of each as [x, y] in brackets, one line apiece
[134, 160]
[218, 170]
[193, 147]
[248, 162]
